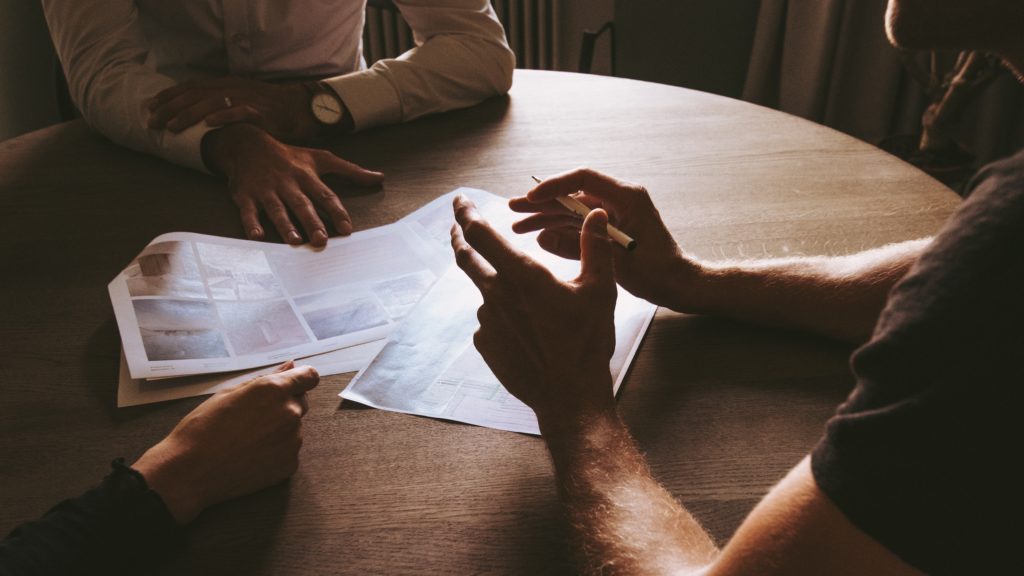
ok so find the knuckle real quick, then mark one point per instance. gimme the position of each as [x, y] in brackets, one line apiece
[463, 255]
[474, 229]
[265, 391]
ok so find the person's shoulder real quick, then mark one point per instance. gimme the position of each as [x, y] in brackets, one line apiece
[1006, 175]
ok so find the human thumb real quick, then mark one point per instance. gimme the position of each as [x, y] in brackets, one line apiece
[596, 249]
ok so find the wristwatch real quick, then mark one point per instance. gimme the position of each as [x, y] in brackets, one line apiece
[327, 107]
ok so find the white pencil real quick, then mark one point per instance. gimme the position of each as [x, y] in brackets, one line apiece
[581, 210]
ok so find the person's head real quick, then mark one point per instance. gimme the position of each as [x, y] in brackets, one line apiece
[989, 25]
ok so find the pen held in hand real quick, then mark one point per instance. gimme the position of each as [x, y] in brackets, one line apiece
[581, 210]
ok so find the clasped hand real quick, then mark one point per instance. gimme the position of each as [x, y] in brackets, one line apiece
[264, 174]
[280, 109]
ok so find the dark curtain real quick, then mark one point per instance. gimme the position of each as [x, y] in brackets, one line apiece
[829, 61]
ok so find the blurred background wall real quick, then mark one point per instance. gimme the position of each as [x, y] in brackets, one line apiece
[27, 94]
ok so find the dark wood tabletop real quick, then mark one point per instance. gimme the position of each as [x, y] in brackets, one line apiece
[721, 409]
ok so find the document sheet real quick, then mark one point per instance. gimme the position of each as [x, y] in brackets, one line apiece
[196, 312]
[133, 392]
[193, 304]
[430, 367]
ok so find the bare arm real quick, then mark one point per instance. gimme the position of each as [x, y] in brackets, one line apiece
[549, 342]
[837, 297]
[622, 521]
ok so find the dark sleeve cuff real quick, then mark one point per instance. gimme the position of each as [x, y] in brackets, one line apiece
[118, 527]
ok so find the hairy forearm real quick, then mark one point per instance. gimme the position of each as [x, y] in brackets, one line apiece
[838, 297]
[622, 520]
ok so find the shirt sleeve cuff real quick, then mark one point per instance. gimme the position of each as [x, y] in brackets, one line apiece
[185, 148]
[371, 99]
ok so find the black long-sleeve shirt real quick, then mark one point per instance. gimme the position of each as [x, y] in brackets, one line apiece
[118, 527]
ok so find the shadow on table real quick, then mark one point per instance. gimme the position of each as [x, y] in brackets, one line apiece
[724, 409]
[102, 369]
[235, 537]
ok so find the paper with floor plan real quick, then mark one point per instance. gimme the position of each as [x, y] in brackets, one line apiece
[194, 304]
[430, 367]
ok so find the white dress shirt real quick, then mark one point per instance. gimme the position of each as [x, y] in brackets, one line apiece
[117, 54]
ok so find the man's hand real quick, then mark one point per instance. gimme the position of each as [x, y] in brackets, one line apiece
[656, 270]
[548, 341]
[283, 110]
[275, 178]
[235, 443]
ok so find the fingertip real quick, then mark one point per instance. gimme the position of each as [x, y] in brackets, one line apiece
[318, 238]
[372, 178]
[307, 378]
[255, 233]
[461, 204]
[310, 372]
[522, 204]
[596, 220]
[548, 240]
[286, 366]
[344, 227]
[519, 227]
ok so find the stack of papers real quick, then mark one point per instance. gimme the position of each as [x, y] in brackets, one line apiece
[198, 314]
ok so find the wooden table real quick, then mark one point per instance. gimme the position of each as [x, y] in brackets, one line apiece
[721, 409]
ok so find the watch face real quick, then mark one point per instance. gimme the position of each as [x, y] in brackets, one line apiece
[327, 108]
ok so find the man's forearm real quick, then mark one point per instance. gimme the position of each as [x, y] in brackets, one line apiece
[838, 297]
[622, 520]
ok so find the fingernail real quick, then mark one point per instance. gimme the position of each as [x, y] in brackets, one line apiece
[319, 236]
[345, 228]
[255, 233]
[293, 236]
